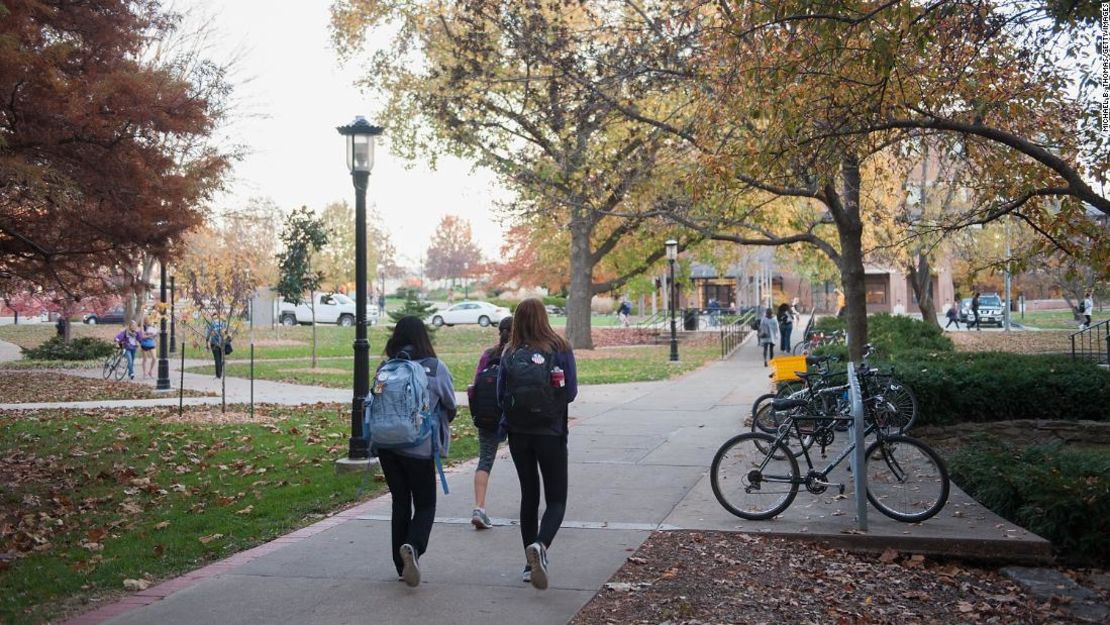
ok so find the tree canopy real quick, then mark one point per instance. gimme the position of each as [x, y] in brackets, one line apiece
[92, 126]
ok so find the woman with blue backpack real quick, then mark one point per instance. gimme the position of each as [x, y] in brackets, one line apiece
[410, 467]
[486, 413]
[536, 382]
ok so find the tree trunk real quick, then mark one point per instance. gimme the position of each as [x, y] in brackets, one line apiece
[850, 228]
[921, 280]
[579, 333]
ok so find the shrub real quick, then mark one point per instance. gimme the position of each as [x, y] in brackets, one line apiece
[84, 348]
[1062, 494]
[993, 386]
[891, 334]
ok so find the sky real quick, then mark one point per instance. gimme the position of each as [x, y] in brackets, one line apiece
[294, 93]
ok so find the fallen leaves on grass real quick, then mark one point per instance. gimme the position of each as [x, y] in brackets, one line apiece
[18, 387]
[688, 577]
[1046, 342]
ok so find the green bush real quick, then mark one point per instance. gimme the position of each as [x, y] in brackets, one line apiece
[995, 386]
[891, 334]
[84, 348]
[1062, 494]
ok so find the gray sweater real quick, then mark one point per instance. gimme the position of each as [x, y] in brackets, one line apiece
[768, 330]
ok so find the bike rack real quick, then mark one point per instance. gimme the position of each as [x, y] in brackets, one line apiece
[858, 476]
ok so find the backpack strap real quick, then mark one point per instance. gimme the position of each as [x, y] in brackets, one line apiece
[438, 459]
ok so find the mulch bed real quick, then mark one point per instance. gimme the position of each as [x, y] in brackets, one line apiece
[1018, 342]
[17, 387]
[689, 577]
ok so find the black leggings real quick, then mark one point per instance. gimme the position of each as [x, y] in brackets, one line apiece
[537, 455]
[768, 350]
[412, 482]
[218, 355]
[952, 320]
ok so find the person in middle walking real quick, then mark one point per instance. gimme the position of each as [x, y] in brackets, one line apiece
[768, 334]
[535, 384]
[486, 413]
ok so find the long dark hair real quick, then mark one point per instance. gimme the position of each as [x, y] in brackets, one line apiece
[530, 327]
[504, 333]
[410, 332]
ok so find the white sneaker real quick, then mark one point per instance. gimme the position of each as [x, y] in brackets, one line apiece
[411, 571]
[536, 554]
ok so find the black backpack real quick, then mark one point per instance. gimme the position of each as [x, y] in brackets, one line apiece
[531, 398]
[483, 399]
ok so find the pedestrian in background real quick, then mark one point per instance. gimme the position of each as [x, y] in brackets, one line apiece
[768, 333]
[975, 312]
[1088, 308]
[953, 315]
[786, 327]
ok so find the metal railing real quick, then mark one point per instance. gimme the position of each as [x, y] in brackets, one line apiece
[733, 332]
[1092, 344]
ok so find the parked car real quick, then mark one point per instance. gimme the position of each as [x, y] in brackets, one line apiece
[554, 310]
[330, 308]
[112, 315]
[990, 309]
[481, 313]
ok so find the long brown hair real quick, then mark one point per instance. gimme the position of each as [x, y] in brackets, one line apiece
[530, 327]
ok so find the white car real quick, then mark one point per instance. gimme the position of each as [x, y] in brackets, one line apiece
[481, 313]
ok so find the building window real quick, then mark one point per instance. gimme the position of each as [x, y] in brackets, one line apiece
[878, 289]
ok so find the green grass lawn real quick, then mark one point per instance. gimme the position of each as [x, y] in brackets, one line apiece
[1054, 319]
[90, 499]
[600, 366]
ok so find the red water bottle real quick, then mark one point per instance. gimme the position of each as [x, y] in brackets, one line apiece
[558, 378]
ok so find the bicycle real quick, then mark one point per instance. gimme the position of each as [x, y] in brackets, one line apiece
[818, 339]
[756, 475]
[886, 399]
[114, 365]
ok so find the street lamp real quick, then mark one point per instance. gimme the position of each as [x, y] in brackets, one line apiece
[360, 136]
[163, 383]
[173, 322]
[672, 256]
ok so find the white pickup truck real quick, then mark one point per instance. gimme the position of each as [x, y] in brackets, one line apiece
[330, 308]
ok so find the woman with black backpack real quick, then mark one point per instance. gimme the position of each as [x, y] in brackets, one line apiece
[486, 412]
[536, 382]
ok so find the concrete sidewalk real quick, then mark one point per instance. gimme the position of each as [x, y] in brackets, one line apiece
[639, 456]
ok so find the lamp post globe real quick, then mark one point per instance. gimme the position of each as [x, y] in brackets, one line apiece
[360, 136]
[672, 255]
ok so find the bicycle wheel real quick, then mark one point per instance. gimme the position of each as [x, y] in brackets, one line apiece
[800, 348]
[121, 367]
[895, 408]
[112, 366]
[762, 416]
[751, 484]
[906, 480]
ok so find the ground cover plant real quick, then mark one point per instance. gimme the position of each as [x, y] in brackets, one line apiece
[81, 348]
[1059, 493]
[30, 335]
[21, 386]
[89, 499]
[686, 577]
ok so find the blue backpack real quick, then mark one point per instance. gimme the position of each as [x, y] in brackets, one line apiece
[398, 412]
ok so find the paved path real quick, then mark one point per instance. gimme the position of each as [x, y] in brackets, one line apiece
[9, 352]
[639, 455]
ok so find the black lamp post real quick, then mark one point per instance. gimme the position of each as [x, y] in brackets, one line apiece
[163, 383]
[173, 322]
[360, 135]
[672, 256]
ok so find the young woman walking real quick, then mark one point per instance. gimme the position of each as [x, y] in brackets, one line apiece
[768, 333]
[487, 414]
[411, 473]
[536, 382]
